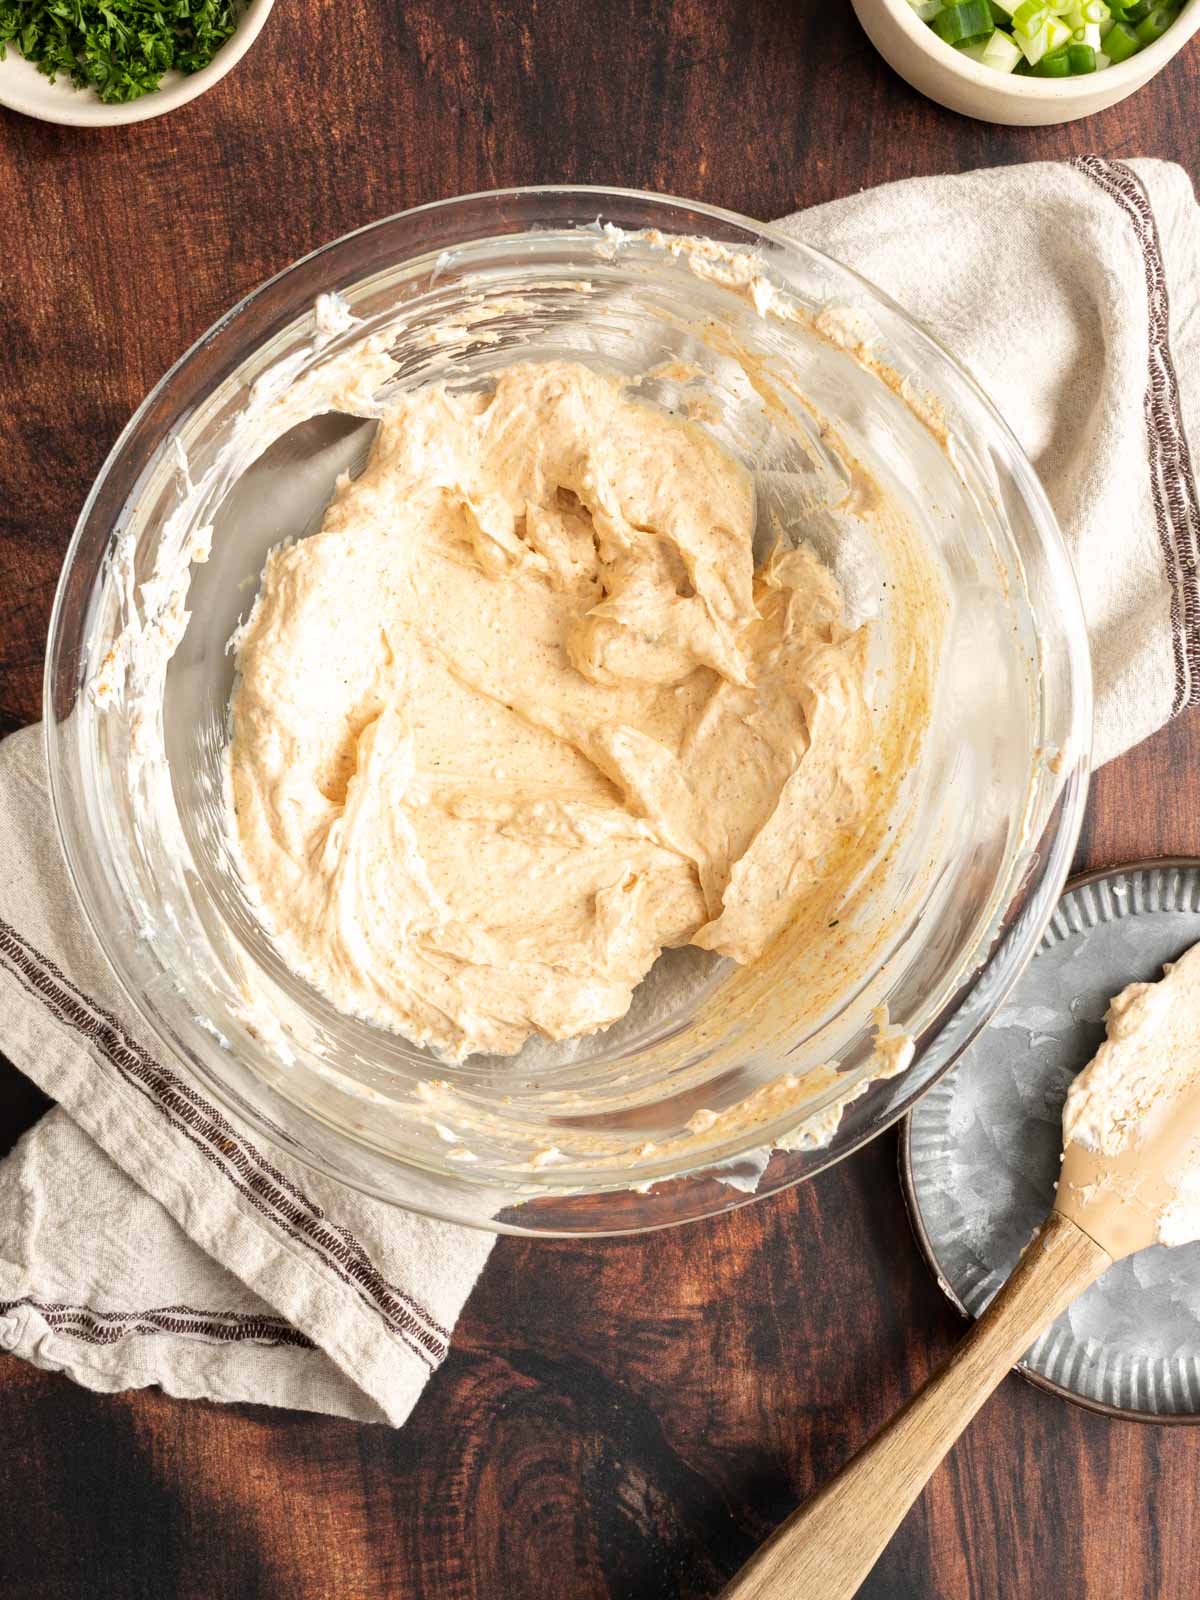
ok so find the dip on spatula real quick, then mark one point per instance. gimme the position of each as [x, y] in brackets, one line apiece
[1131, 1124]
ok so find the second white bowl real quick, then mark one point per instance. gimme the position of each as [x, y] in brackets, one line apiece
[944, 74]
[23, 88]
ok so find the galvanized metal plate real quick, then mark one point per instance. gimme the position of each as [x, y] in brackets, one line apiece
[980, 1152]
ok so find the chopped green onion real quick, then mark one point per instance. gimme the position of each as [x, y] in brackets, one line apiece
[1155, 25]
[970, 19]
[1000, 52]
[1121, 42]
[1051, 38]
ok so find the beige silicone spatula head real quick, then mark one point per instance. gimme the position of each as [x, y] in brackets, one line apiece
[1130, 1178]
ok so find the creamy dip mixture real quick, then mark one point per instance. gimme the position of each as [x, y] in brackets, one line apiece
[1131, 1170]
[523, 713]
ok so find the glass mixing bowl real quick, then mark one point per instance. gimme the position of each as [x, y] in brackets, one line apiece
[803, 369]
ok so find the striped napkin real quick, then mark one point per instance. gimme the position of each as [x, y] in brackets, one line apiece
[144, 1240]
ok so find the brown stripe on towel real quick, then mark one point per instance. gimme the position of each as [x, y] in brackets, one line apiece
[276, 1176]
[281, 1202]
[109, 1327]
[1172, 480]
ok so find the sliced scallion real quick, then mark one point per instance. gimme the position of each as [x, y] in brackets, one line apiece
[969, 19]
[1052, 38]
[1154, 25]
[1121, 42]
[1000, 52]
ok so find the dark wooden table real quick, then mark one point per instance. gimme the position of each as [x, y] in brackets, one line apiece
[626, 1418]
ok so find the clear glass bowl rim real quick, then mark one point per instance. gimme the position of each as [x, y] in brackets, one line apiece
[1012, 951]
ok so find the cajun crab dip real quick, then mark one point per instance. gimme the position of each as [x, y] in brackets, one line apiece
[523, 713]
[1131, 1123]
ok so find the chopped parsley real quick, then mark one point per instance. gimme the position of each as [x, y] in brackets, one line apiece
[119, 48]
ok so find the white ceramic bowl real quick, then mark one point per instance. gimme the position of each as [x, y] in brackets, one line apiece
[921, 58]
[23, 88]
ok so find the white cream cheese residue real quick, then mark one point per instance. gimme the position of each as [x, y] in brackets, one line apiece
[523, 713]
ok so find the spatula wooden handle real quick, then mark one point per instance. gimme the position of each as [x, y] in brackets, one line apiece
[825, 1550]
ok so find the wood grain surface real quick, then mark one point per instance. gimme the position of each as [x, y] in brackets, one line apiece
[826, 1549]
[616, 1419]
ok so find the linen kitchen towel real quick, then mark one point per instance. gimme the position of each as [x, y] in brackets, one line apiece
[1071, 290]
[145, 1240]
